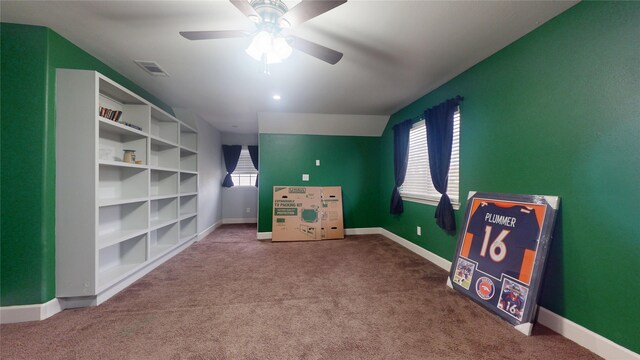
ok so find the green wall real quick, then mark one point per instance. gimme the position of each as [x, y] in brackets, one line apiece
[27, 272]
[30, 56]
[347, 161]
[556, 113]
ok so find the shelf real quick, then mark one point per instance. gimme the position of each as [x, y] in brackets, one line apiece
[188, 215]
[111, 126]
[188, 137]
[112, 202]
[187, 151]
[187, 238]
[118, 237]
[164, 155]
[160, 197]
[117, 92]
[156, 224]
[162, 211]
[111, 146]
[188, 204]
[159, 168]
[163, 183]
[108, 277]
[117, 260]
[162, 142]
[114, 217]
[117, 219]
[121, 164]
[188, 226]
[133, 111]
[188, 162]
[188, 183]
[159, 250]
[120, 184]
[163, 239]
[164, 129]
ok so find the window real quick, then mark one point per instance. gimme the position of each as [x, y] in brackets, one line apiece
[245, 173]
[417, 185]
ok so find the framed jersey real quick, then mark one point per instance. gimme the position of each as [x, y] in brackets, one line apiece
[501, 253]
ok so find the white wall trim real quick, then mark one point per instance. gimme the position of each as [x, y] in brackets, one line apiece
[35, 312]
[441, 262]
[583, 336]
[362, 231]
[264, 235]
[567, 328]
[251, 220]
[203, 234]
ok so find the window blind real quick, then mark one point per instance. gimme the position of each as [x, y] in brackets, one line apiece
[417, 183]
[245, 166]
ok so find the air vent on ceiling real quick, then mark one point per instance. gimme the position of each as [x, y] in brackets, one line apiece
[152, 68]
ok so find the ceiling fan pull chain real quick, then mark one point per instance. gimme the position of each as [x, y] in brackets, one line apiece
[266, 65]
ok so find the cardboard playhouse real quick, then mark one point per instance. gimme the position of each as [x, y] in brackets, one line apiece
[302, 213]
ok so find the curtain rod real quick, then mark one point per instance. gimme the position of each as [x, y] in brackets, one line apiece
[421, 116]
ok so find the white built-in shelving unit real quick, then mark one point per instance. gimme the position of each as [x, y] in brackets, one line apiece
[116, 221]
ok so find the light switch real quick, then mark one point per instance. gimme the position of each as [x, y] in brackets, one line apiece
[305, 177]
[317, 162]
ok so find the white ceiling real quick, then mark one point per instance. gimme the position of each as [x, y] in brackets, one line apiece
[394, 51]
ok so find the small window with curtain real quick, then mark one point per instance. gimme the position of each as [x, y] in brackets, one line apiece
[417, 185]
[245, 173]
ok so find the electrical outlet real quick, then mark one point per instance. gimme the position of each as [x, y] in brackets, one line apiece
[317, 162]
[419, 230]
[248, 210]
[305, 177]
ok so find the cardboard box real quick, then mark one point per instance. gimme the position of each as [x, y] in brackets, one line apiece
[331, 223]
[303, 213]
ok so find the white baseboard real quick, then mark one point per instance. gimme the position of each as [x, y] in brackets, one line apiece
[203, 234]
[441, 262]
[583, 336]
[362, 231]
[35, 312]
[264, 235]
[567, 328]
[240, 221]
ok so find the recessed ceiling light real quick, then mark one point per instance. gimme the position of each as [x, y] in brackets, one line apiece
[276, 97]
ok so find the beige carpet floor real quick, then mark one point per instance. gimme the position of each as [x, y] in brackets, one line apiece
[231, 296]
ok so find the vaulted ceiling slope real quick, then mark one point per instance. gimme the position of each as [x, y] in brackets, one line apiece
[394, 51]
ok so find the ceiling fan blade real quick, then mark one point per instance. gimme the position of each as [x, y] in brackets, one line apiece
[308, 9]
[316, 50]
[245, 8]
[207, 35]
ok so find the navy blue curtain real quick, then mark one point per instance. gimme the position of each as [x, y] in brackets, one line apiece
[231, 155]
[253, 152]
[439, 121]
[400, 160]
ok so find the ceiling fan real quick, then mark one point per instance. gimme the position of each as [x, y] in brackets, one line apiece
[270, 43]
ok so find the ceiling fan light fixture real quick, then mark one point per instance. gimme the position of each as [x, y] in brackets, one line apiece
[274, 48]
[284, 24]
[281, 48]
